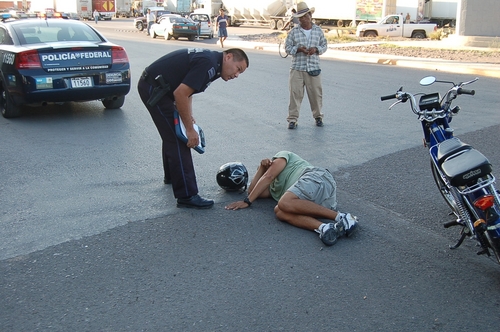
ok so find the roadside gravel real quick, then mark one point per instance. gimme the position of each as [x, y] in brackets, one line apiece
[465, 55]
[473, 56]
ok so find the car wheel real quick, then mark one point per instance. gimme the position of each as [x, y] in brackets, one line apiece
[112, 103]
[371, 34]
[191, 38]
[9, 109]
[168, 36]
[153, 34]
[140, 26]
[419, 35]
[211, 36]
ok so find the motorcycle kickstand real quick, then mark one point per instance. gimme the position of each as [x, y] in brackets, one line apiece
[462, 238]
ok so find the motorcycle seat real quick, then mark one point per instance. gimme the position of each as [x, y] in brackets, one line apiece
[450, 147]
[464, 168]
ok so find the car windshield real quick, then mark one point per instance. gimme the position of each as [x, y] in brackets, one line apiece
[179, 20]
[45, 32]
[200, 18]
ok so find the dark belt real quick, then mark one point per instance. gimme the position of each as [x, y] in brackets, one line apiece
[146, 77]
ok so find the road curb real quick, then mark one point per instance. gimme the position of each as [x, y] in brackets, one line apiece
[479, 69]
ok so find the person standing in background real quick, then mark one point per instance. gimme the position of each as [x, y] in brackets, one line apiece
[96, 16]
[305, 43]
[150, 19]
[221, 27]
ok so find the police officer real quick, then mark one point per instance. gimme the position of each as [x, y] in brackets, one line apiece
[168, 84]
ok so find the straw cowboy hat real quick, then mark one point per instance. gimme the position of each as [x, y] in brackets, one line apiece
[302, 9]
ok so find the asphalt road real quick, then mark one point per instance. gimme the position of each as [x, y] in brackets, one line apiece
[91, 239]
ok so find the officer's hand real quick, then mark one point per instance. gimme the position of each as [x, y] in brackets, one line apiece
[193, 138]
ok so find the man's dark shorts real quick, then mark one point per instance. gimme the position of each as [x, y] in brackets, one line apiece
[222, 32]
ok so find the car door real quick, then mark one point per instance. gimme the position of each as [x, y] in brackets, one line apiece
[166, 25]
[204, 21]
[393, 27]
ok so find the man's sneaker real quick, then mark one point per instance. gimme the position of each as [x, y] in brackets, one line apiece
[350, 223]
[328, 233]
[319, 122]
[292, 125]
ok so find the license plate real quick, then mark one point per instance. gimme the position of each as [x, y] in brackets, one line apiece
[185, 27]
[81, 82]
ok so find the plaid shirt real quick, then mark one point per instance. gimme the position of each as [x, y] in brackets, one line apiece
[296, 37]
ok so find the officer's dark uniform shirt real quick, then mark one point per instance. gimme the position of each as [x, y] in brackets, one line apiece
[195, 67]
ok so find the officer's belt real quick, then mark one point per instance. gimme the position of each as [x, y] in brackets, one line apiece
[148, 78]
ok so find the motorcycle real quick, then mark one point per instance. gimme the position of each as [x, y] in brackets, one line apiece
[462, 174]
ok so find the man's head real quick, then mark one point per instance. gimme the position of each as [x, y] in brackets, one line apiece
[234, 62]
[304, 13]
[221, 11]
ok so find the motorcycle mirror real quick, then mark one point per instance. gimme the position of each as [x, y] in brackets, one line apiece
[427, 80]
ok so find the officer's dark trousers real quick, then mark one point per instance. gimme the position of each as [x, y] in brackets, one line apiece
[177, 159]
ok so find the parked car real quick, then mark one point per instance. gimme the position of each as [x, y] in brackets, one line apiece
[18, 14]
[54, 61]
[71, 16]
[105, 17]
[140, 23]
[206, 28]
[171, 26]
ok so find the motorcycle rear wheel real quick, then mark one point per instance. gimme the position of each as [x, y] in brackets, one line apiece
[451, 200]
[445, 192]
[495, 246]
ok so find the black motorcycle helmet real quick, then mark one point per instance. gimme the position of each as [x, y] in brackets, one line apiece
[232, 176]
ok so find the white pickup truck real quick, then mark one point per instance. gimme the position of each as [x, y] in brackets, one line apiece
[394, 26]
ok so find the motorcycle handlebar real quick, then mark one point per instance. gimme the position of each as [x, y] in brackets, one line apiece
[445, 102]
[388, 97]
[461, 91]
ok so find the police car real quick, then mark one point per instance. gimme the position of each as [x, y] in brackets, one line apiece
[52, 61]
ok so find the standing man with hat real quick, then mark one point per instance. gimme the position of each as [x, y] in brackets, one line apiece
[305, 43]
